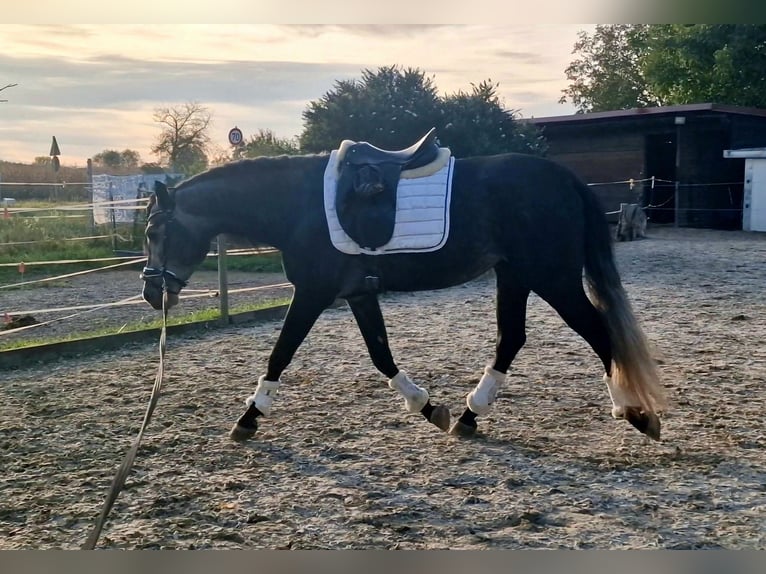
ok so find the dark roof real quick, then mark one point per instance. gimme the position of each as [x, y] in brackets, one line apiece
[655, 111]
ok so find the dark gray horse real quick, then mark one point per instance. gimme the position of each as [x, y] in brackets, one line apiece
[530, 219]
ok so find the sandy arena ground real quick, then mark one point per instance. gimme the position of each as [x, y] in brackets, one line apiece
[339, 464]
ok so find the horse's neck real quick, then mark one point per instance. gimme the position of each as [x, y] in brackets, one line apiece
[260, 206]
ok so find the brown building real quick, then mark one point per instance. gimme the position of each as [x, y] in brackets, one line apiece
[681, 147]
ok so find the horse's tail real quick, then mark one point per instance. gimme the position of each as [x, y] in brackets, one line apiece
[633, 369]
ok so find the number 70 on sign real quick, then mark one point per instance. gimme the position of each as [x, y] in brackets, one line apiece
[235, 136]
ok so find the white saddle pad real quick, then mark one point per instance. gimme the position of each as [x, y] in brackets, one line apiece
[422, 212]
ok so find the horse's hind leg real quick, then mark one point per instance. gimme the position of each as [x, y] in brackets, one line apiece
[511, 312]
[366, 310]
[574, 307]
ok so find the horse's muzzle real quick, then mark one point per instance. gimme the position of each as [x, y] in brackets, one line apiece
[154, 294]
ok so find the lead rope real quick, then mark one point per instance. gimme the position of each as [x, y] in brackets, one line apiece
[127, 464]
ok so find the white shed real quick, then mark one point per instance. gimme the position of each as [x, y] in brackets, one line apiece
[754, 191]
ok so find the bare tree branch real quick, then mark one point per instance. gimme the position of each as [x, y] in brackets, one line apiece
[7, 86]
[184, 140]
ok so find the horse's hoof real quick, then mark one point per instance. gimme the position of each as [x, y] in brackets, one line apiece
[441, 417]
[241, 433]
[647, 423]
[461, 429]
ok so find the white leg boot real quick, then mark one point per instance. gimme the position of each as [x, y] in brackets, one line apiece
[415, 397]
[264, 395]
[482, 397]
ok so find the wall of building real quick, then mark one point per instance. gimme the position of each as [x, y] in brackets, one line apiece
[631, 146]
[601, 154]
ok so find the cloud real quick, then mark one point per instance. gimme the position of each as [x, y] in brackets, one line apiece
[113, 80]
[528, 58]
[95, 87]
[81, 101]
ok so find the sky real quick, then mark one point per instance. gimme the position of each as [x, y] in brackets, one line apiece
[95, 87]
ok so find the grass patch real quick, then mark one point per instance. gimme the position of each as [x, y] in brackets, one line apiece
[202, 316]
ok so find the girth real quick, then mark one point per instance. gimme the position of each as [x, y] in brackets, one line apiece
[365, 199]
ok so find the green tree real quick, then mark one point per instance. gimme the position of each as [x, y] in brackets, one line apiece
[390, 107]
[477, 123]
[624, 66]
[130, 158]
[114, 159]
[152, 167]
[608, 74]
[266, 143]
[721, 63]
[184, 140]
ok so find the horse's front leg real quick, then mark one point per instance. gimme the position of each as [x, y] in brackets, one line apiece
[511, 335]
[304, 310]
[366, 310]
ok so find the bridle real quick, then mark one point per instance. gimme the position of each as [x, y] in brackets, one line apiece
[163, 272]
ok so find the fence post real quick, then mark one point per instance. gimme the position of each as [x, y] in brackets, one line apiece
[113, 217]
[89, 184]
[223, 281]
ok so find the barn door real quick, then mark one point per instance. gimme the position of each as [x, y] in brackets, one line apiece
[660, 162]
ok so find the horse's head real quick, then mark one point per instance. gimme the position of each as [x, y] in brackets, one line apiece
[172, 250]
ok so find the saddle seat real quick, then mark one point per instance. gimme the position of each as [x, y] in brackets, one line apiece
[368, 177]
[417, 155]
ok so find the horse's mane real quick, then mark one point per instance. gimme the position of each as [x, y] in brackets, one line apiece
[245, 166]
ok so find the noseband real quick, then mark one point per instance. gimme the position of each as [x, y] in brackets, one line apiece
[163, 272]
[151, 272]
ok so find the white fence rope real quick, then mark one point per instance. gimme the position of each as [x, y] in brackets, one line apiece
[232, 252]
[89, 237]
[133, 300]
[122, 203]
[48, 279]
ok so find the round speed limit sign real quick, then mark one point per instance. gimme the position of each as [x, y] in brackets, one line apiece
[235, 136]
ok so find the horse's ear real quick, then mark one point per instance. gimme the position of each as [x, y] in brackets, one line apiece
[163, 197]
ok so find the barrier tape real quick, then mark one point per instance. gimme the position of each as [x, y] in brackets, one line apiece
[190, 294]
[57, 184]
[133, 300]
[49, 240]
[47, 279]
[42, 324]
[65, 261]
[59, 216]
[142, 201]
[233, 252]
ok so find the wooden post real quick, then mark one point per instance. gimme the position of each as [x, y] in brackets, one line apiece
[631, 223]
[91, 219]
[223, 281]
[113, 217]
